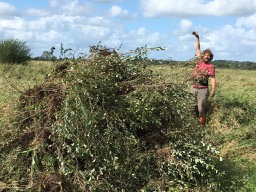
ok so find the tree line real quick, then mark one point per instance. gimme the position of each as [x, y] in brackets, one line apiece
[15, 51]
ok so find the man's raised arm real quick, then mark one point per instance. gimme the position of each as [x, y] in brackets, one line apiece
[198, 52]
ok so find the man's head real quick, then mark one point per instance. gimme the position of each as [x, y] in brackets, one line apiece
[207, 55]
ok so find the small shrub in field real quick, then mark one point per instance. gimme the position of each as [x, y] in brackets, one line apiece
[107, 123]
[14, 51]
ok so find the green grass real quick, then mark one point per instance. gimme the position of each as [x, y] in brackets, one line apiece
[14, 79]
[17, 78]
[231, 121]
[234, 120]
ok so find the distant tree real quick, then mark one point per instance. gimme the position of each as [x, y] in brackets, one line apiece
[46, 55]
[14, 51]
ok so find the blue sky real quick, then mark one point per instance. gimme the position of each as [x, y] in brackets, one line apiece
[228, 27]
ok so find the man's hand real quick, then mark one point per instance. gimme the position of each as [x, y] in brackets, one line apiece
[195, 33]
[212, 93]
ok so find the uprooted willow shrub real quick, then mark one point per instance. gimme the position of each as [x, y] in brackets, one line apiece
[107, 123]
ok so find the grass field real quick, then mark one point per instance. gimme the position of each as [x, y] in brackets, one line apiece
[15, 79]
[231, 121]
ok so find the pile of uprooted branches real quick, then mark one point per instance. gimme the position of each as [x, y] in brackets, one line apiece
[106, 123]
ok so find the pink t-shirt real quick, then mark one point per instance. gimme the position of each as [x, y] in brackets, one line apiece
[202, 72]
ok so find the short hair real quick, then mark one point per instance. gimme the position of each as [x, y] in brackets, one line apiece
[209, 51]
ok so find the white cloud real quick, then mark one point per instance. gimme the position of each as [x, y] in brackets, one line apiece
[71, 7]
[50, 36]
[226, 42]
[141, 31]
[53, 3]
[142, 37]
[184, 30]
[116, 11]
[77, 24]
[185, 25]
[154, 38]
[13, 24]
[37, 12]
[46, 32]
[182, 8]
[105, 1]
[133, 39]
[76, 8]
[7, 9]
[37, 25]
[249, 21]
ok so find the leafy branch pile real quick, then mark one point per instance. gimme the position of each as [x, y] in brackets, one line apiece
[106, 123]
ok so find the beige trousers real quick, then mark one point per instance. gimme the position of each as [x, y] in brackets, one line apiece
[201, 100]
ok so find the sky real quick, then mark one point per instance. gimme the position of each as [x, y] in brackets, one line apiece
[227, 27]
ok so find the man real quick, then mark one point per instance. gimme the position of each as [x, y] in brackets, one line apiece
[202, 72]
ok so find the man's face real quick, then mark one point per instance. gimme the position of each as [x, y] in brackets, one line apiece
[206, 57]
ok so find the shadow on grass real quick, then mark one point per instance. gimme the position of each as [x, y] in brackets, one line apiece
[239, 117]
[234, 176]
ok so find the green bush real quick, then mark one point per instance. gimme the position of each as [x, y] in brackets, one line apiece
[14, 51]
[107, 123]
